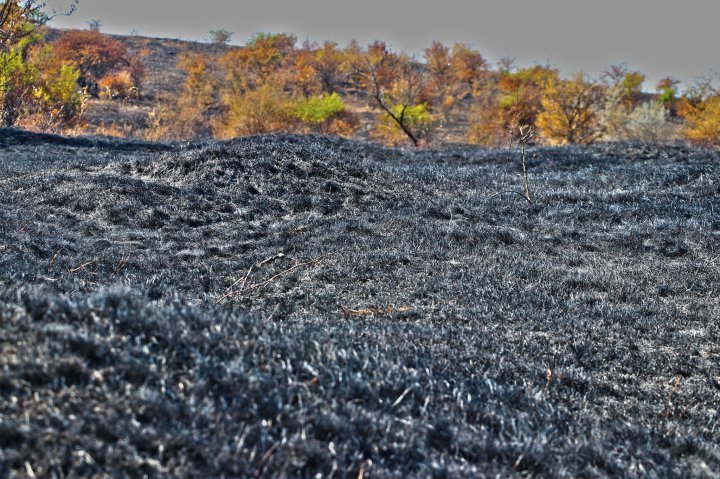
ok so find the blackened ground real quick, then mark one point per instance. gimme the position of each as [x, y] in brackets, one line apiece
[294, 306]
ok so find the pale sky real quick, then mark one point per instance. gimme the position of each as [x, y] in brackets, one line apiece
[658, 37]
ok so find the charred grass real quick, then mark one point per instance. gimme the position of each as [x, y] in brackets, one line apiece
[295, 306]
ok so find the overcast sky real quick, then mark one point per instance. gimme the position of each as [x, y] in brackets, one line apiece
[659, 37]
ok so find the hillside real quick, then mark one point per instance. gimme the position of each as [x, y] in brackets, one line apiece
[163, 79]
[292, 306]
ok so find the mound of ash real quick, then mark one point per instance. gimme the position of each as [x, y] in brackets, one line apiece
[284, 306]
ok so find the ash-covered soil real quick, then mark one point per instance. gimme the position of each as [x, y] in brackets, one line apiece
[286, 306]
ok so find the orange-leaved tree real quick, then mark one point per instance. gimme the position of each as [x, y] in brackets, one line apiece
[702, 119]
[97, 56]
[506, 101]
[187, 113]
[329, 64]
[441, 85]
[255, 94]
[570, 110]
[265, 57]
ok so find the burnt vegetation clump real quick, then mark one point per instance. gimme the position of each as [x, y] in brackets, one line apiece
[284, 306]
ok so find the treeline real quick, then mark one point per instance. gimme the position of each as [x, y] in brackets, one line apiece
[272, 84]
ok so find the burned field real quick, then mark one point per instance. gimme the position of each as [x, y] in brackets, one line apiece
[294, 306]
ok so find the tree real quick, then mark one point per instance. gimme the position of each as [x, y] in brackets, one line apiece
[302, 76]
[267, 56]
[19, 20]
[29, 86]
[255, 93]
[570, 108]
[443, 88]
[94, 25]
[627, 83]
[17, 80]
[521, 94]
[395, 85]
[58, 99]
[667, 89]
[454, 75]
[220, 36]
[439, 64]
[469, 66]
[415, 118]
[95, 55]
[703, 121]
[328, 63]
[186, 114]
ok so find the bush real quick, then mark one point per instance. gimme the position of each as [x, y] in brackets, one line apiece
[220, 36]
[60, 94]
[117, 85]
[343, 124]
[186, 114]
[649, 122]
[325, 114]
[35, 93]
[265, 58]
[318, 109]
[703, 122]
[263, 110]
[96, 56]
[16, 83]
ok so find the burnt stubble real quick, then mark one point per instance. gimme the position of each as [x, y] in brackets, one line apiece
[293, 306]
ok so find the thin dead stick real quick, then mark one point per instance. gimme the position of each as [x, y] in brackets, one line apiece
[277, 256]
[364, 467]
[550, 374]
[266, 457]
[52, 261]
[522, 456]
[262, 284]
[123, 262]
[74, 270]
[273, 312]
[525, 133]
[525, 136]
[244, 278]
[269, 280]
[668, 402]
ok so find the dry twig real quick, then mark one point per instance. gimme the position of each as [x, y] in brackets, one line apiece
[269, 280]
[84, 265]
[668, 401]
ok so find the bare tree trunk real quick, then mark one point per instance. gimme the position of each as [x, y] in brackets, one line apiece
[399, 120]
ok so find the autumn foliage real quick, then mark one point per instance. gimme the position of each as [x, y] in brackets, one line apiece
[104, 63]
[273, 83]
[570, 110]
[34, 93]
[703, 121]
